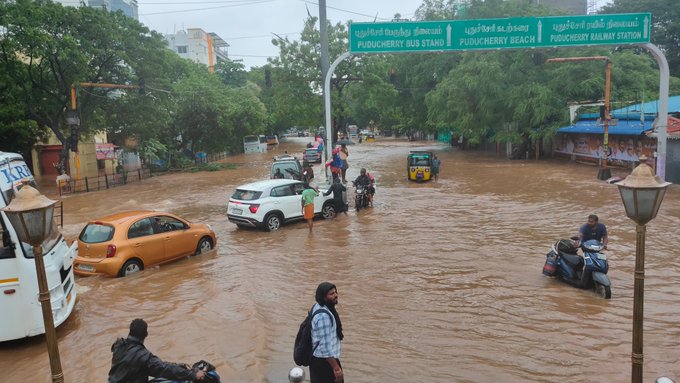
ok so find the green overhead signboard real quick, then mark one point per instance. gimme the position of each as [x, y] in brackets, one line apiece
[521, 32]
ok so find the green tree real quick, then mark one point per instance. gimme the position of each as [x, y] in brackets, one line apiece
[18, 133]
[301, 60]
[288, 97]
[232, 73]
[665, 25]
[58, 46]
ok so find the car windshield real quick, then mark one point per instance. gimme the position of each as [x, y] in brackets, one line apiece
[286, 168]
[96, 233]
[246, 195]
[311, 152]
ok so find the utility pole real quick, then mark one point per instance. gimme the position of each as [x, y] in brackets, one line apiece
[323, 32]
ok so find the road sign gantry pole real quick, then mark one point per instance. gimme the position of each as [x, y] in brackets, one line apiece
[327, 106]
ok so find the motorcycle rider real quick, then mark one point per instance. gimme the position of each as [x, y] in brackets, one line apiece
[590, 230]
[593, 229]
[133, 363]
[364, 179]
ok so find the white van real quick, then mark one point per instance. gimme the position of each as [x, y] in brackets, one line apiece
[20, 309]
[254, 144]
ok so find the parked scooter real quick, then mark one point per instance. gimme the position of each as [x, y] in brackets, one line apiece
[361, 196]
[211, 375]
[587, 272]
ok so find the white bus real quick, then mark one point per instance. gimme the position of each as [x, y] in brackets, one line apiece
[20, 309]
[255, 144]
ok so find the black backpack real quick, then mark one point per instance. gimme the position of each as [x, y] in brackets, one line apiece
[302, 353]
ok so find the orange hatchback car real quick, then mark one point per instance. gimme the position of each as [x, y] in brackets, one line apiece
[125, 243]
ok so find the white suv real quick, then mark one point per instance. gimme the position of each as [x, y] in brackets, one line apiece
[268, 204]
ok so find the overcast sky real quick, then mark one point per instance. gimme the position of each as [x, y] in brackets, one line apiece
[248, 25]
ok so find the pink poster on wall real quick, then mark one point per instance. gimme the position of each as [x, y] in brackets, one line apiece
[105, 151]
[621, 148]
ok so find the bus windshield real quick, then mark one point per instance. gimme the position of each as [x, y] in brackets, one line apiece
[12, 173]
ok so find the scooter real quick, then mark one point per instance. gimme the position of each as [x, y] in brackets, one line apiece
[360, 196]
[587, 272]
[211, 375]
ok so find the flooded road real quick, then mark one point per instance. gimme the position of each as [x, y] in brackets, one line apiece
[439, 282]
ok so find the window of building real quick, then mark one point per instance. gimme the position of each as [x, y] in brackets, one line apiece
[182, 49]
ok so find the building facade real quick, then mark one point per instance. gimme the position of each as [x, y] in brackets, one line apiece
[128, 7]
[199, 46]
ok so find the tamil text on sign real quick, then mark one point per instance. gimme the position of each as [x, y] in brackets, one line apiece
[523, 32]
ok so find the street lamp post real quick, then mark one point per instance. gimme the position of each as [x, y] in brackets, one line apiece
[642, 193]
[31, 215]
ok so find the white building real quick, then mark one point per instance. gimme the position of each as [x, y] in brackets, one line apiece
[129, 7]
[197, 45]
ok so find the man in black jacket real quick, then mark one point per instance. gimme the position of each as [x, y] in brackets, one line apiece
[337, 188]
[133, 363]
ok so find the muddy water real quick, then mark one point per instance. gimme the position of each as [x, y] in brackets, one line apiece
[439, 282]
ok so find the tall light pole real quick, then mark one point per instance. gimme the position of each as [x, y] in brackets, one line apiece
[642, 193]
[603, 172]
[323, 46]
[31, 215]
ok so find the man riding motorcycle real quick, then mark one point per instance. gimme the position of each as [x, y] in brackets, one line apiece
[364, 179]
[133, 363]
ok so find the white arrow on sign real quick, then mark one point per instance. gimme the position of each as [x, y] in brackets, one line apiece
[448, 35]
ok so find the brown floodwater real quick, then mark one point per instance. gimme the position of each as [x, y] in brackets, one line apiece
[439, 282]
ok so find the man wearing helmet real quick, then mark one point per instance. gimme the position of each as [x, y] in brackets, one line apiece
[365, 179]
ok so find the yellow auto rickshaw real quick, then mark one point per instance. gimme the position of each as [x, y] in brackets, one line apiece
[419, 165]
[370, 137]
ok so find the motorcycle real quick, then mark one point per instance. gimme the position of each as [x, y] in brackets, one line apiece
[587, 272]
[211, 375]
[361, 196]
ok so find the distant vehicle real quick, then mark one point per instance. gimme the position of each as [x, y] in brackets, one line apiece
[387, 133]
[21, 313]
[125, 243]
[370, 137]
[254, 144]
[271, 203]
[303, 133]
[290, 167]
[353, 132]
[272, 140]
[312, 155]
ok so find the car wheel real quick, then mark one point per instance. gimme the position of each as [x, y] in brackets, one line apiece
[204, 245]
[328, 211]
[130, 267]
[272, 222]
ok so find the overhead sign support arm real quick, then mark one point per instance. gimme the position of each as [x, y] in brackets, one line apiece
[662, 116]
[327, 105]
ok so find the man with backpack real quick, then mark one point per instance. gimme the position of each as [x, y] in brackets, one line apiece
[326, 336]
